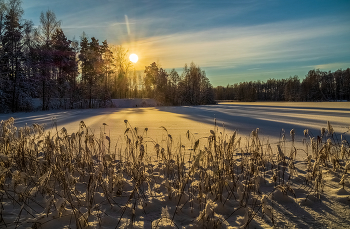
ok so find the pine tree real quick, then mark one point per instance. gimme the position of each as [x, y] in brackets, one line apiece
[65, 64]
[12, 60]
[3, 106]
[91, 65]
[107, 70]
[43, 55]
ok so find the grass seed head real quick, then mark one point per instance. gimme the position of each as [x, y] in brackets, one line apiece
[330, 128]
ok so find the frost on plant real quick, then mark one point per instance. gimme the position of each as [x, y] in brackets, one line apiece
[78, 180]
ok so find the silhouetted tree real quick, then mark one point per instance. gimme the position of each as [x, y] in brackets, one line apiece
[121, 69]
[174, 79]
[44, 53]
[16, 88]
[317, 86]
[64, 58]
[107, 69]
[195, 88]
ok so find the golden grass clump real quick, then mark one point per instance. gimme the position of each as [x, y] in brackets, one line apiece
[218, 182]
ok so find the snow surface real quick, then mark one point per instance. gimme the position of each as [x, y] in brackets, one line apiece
[118, 103]
[302, 210]
[270, 117]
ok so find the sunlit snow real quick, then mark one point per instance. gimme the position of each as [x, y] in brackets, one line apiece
[308, 195]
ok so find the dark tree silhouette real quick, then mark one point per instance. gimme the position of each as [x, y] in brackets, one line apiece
[317, 86]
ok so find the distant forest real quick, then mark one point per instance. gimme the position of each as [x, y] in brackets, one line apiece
[317, 86]
[41, 63]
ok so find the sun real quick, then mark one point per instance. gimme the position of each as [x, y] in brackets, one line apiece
[133, 58]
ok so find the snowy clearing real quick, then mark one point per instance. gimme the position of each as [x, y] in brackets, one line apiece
[166, 177]
[269, 117]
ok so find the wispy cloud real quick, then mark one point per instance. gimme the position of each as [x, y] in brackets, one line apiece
[38, 3]
[332, 66]
[290, 41]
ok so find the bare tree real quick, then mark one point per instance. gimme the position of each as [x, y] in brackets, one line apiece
[122, 66]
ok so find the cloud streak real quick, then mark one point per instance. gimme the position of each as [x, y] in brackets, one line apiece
[331, 66]
[237, 46]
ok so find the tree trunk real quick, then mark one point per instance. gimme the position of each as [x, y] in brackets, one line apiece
[43, 108]
[90, 99]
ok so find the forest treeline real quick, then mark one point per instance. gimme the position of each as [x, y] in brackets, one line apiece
[317, 86]
[40, 62]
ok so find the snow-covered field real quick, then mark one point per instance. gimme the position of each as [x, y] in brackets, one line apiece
[178, 169]
[270, 118]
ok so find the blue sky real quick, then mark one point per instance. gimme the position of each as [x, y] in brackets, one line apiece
[231, 40]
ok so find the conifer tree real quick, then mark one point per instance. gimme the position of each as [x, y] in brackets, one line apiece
[44, 54]
[13, 75]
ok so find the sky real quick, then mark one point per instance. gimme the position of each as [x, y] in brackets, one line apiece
[231, 40]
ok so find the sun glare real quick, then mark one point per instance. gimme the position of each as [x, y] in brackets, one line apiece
[133, 58]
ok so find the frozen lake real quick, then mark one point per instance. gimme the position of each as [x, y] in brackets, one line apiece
[269, 117]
